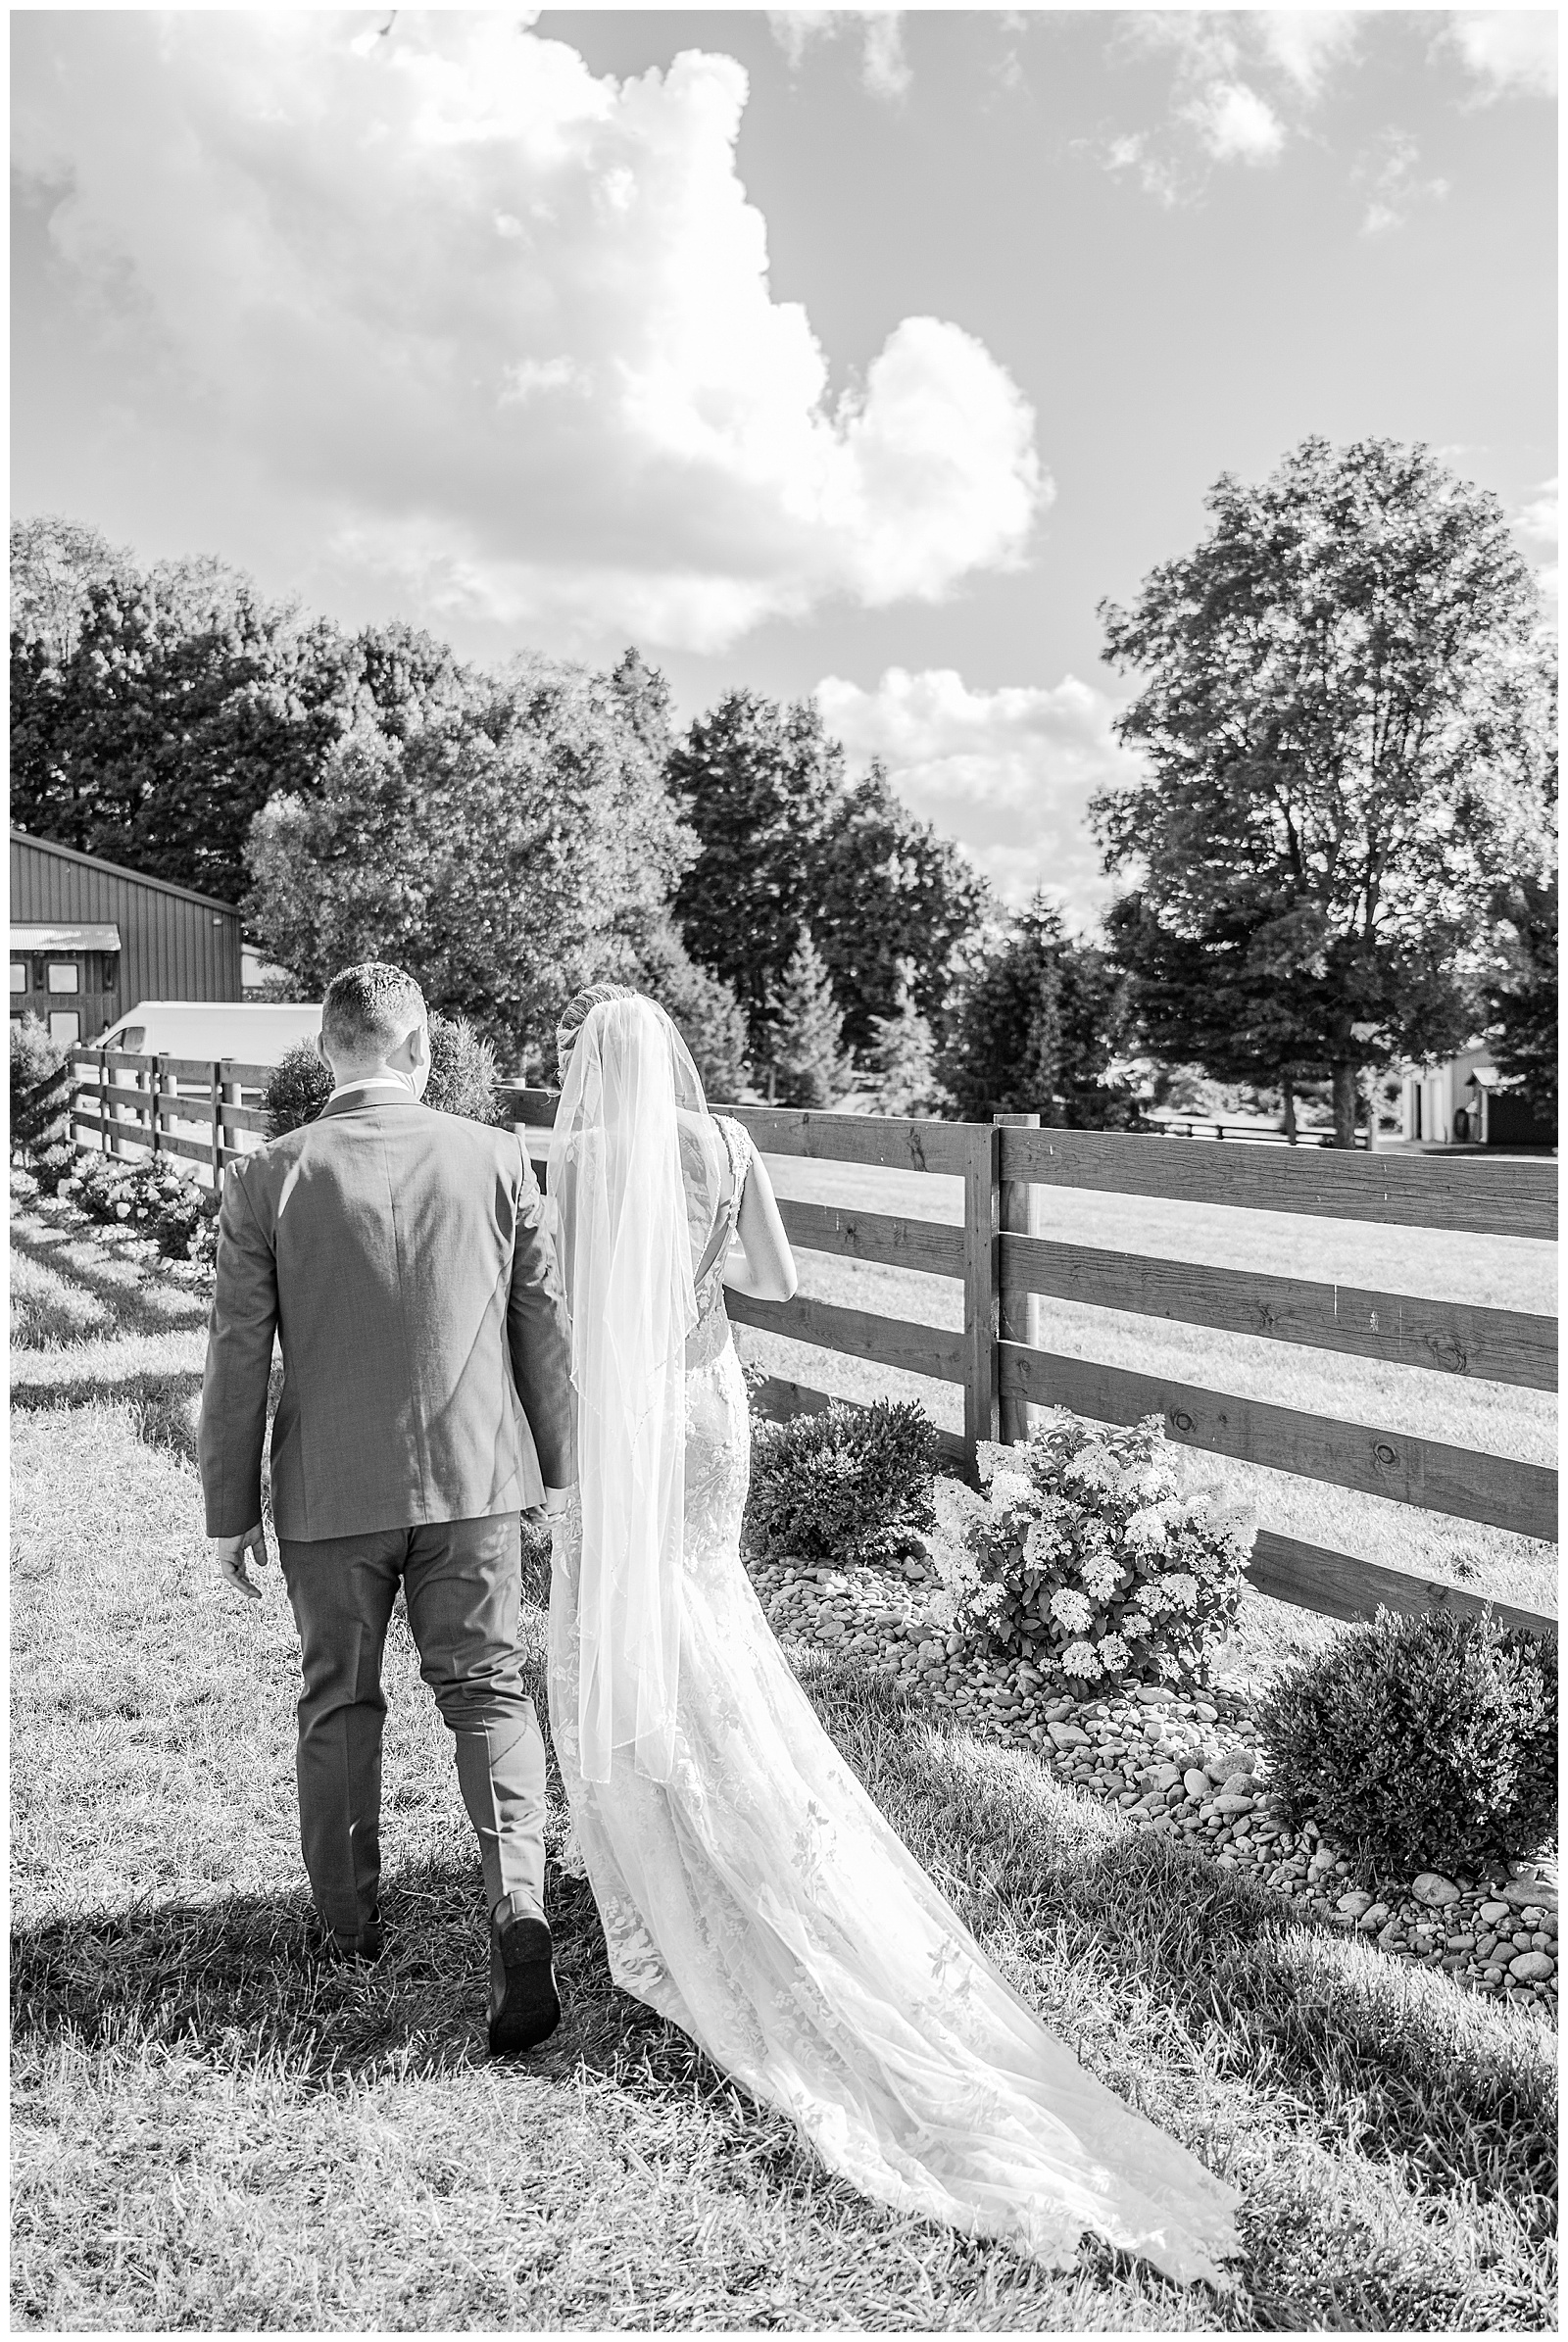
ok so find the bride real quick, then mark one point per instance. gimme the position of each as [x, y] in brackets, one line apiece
[749, 1890]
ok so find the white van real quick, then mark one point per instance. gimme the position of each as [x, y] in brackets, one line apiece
[251, 1032]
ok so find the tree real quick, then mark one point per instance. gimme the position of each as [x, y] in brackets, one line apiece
[808, 1066]
[184, 703]
[902, 1058]
[702, 1009]
[1346, 720]
[890, 894]
[756, 782]
[1037, 1028]
[53, 563]
[1522, 993]
[505, 851]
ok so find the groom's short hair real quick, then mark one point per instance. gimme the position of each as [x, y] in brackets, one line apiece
[369, 1008]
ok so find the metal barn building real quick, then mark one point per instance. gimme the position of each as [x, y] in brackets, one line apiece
[89, 939]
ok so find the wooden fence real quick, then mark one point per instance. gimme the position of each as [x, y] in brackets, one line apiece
[200, 1110]
[206, 1112]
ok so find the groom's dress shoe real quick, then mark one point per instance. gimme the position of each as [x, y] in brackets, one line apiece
[363, 1952]
[524, 2004]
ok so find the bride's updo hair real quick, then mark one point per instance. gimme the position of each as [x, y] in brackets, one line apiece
[574, 1014]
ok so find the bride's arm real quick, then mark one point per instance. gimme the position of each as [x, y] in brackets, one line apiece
[765, 1266]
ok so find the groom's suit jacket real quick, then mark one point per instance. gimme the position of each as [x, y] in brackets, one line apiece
[401, 1258]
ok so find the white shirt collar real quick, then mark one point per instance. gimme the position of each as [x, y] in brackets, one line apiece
[374, 1081]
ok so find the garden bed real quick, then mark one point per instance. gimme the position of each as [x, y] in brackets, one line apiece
[1187, 1766]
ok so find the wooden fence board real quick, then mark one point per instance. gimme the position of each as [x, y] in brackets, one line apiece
[1340, 1585]
[200, 1150]
[982, 1399]
[889, 1146]
[1458, 1481]
[934, 1247]
[776, 1398]
[887, 1340]
[1497, 1346]
[1505, 1197]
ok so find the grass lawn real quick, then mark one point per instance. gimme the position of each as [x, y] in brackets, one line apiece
[210, 2132]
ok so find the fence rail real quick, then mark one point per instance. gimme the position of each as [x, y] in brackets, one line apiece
[200, 1110]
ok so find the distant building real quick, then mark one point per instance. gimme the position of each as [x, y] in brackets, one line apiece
[1461, 1102]
[89, 939]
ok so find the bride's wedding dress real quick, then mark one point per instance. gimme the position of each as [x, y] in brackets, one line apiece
[756, 1898]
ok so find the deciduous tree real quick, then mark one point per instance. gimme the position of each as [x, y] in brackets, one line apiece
[1346, 717]
[1037, 1028]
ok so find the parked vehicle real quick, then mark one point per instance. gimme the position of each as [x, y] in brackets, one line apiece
[251, 1032]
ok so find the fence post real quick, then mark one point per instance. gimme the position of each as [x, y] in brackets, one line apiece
[1022, 1213]
[980, 1250]
[109, 1136]
[214, 1099]
[233, 1096]
[155, 1101]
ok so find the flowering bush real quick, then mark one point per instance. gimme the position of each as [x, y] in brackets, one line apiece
[1085, 1557]
[51, 1164]
[153, 1197]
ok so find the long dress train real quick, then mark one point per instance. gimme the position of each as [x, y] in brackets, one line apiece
[759, 1901]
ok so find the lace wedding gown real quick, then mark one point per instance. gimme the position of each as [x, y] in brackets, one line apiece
[759, 1900]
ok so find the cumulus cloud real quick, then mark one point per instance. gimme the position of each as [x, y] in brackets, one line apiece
[1507, 49]
[1393, 184]
[1235, 125]
[1008, 772]
[884, 67]
[1308, 43]
[496, 332]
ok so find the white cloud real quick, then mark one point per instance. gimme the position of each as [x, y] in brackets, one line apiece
[1393, 183]
[492, 330]
[1508, 49]
[1306, 43]
[1235, 125]
[884, 67]
[1007, 772]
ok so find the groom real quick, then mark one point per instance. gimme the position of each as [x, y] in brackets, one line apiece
[398, 1257]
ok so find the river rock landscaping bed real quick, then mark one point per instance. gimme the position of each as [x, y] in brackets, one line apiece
[1183, 1763]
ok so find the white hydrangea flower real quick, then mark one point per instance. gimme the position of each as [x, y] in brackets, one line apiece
[1113, 1653]
[1099, 1573]
[1134, 1623]
[1093, 1468]
[1181, 1589]
[1079, 1659]
[1152, 1597]
[1072, 1610]
[990, 1457]
[1043, 1546]
[1146, 1531]
[1011, 1487]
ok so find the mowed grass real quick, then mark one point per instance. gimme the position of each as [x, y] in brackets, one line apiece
[1501, 1272]
[209, 2131]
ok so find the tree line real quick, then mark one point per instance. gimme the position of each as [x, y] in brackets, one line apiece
[1340, 854]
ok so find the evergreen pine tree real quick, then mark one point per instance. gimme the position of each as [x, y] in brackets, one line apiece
[808, 1066]
[903, 1055]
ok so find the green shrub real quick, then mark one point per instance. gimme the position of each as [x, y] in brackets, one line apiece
[850, 1485]
[1420, 1744]
[37, 1098]
[1086, 1557]
[298, 1089]
[462, 1070]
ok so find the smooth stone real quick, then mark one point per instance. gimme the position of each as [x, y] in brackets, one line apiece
[1239, 1784]
[1196, 1782]
[1234, 1803]
[1153, 1696]
[1495, 1911]
[1432, 1887]
[1532, 1967]
[1355, 1903]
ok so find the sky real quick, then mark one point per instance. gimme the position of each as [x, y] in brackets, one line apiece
[854, 354]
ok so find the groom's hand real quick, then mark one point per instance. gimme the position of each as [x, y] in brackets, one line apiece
[228, 1558]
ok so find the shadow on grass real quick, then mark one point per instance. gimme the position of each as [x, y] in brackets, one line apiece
[161, 1403]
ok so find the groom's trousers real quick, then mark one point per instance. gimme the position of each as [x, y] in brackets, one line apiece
[461, 1584]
